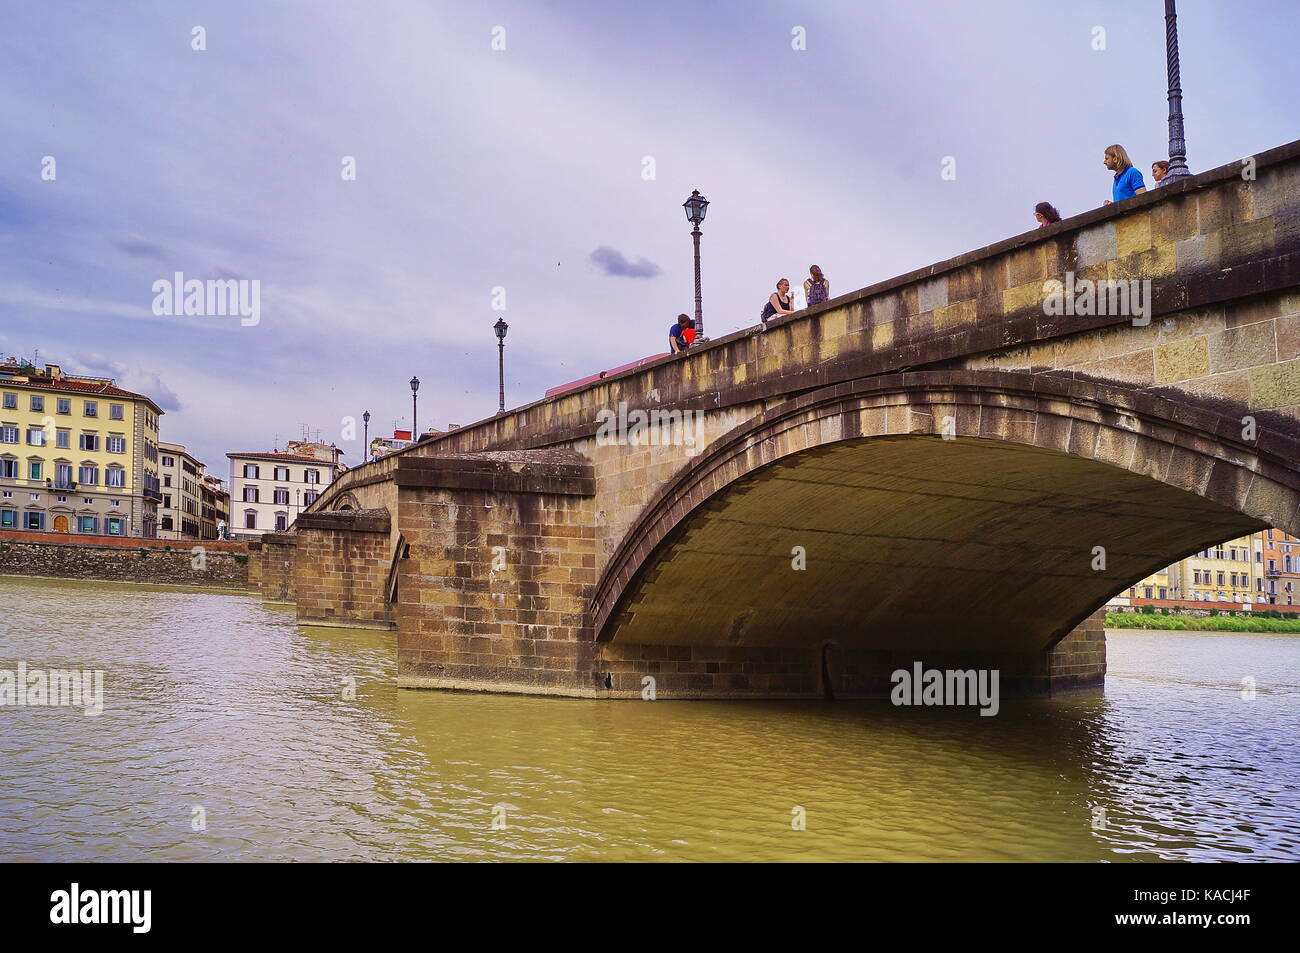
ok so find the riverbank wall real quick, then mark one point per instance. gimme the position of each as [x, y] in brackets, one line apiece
[215, 564]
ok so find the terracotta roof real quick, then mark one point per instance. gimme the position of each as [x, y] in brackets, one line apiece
[101, 388]
[277, 455]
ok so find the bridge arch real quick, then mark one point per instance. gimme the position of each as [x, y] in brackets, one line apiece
[345, 500]
[938, 510]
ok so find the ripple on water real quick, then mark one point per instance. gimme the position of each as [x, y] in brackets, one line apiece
[218, 703]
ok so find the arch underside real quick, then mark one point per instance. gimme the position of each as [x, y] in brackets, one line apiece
[988, 512]
[916, 541]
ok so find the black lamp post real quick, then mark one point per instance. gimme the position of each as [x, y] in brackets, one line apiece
[695, 207]
[1177, 143]
[415, 386]
[500, 328]
[365, 450]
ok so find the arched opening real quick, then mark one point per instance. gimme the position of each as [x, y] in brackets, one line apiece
[993, 517]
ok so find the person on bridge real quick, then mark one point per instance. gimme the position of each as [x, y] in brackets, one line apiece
[1128, 180]
[1160, 172]
[677, 341]
[1046, 214]
[817, 288]
[778, 303]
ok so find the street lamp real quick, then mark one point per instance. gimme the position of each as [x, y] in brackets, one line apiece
[1177, 144]
[415, 386]
[365, 450]
[695, 207]
[500, 328]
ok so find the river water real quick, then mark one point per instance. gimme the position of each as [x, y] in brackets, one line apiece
[222, 714]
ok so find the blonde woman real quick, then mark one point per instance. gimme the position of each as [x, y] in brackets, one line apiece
[1128, 180]
[778, 303]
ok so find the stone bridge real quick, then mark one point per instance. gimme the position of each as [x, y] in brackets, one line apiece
[942, 467]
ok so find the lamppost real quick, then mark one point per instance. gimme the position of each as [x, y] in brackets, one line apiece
[695, 207]
[365, 449]
[500, 328]
[1177, 144]
[415, 386]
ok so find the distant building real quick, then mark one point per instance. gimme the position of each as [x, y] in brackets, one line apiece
[1222, 573]
[382, 446]
[1279, 554]
[214, 513]
[268, 490]
[1235, 571]
[180, 514]
[1155, 586]
[77, 454]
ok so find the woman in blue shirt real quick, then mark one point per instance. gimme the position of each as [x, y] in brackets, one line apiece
[1128, 180]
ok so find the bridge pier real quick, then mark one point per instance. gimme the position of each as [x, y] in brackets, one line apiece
[341, 563]
[270, 568]
[498, 571]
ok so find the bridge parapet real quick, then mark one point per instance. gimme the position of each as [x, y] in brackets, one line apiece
[1212, 241]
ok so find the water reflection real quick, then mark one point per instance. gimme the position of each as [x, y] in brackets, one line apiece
[214, 701]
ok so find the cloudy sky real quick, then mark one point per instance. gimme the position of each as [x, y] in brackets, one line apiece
[554, 168]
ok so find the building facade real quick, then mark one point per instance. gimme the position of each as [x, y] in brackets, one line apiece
[269, 490]
[1235, 571]
[180, 513]
[1227, 572]
[77, 454]
[214, 513]
[1280, 558]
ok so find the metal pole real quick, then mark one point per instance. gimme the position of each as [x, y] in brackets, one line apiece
[501, 376]
[365, 448]
[414, 426]
[699, 314]
[1177, 143]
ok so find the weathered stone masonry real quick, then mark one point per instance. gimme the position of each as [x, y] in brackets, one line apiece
[341, 563]
[498, 572]
[114, 559]
[949, 452]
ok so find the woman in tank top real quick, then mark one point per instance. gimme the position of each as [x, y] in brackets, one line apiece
[778, 303]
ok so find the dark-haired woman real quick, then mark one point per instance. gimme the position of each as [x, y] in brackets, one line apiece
[1046, 215]
[817, 288]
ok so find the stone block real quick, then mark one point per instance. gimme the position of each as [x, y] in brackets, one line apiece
[932, 295]
[1237, 348]
[1133, 234]
[1095, 244]
[1182, 360]
[1276, 385]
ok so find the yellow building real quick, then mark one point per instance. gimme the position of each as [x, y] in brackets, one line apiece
[1227, 572]
[77, 454]
[1155, 586]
